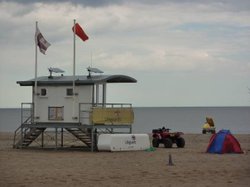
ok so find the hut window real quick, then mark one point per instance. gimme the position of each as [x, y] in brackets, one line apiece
[69, 91]
[43, 92]
[55, 113]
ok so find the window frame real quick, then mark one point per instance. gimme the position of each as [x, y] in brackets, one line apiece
[56, 113]
[42, 90]
[69, 92]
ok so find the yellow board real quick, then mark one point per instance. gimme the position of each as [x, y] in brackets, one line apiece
[206, 126]
[113, 116]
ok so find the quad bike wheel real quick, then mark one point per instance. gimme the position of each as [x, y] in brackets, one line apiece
[180, 142]
[155, 142]
[168, 143]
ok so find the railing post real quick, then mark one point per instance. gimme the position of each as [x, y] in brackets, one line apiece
[32, 112]
[21, 113]
[79, 112]
[22, 137]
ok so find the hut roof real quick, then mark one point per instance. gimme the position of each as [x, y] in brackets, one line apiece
[79, 80]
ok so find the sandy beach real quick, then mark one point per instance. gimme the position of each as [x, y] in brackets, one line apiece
[192, 166]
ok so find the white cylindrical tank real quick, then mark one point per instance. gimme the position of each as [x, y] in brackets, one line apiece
[123, 142]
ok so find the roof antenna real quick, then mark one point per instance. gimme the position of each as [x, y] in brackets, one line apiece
[91, 65]
[93, 70]
[54, 70]
[91, 58]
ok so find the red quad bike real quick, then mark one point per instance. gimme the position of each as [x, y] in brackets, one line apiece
[167, 138]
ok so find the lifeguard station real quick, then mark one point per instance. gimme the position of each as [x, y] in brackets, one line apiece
[72, 104]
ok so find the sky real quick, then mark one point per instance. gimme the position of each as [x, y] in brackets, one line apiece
[182, 53]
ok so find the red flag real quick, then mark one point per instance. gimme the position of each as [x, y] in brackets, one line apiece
[79, 32]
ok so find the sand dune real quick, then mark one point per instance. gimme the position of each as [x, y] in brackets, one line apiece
[192, 166]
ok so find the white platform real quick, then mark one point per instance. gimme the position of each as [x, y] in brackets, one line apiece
[123, 142]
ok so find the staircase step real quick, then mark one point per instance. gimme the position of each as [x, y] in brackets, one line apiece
[82, 135]
[30, 136]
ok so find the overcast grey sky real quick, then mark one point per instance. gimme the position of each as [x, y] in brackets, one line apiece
[183, 53]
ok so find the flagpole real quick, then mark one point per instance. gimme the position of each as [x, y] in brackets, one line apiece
[74, 52]
[35, 89]
[74, 64]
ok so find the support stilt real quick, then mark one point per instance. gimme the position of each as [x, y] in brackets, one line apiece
[42, 139]
[56, 138]
[92, 138]
[61, 137]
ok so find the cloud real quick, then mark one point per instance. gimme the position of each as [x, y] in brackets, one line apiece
[139, 37]
[196, 33]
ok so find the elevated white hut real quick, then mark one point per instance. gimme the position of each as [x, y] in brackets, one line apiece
[76, 104]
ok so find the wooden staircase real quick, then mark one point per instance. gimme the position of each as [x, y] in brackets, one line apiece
[82, 135]
[30, 135]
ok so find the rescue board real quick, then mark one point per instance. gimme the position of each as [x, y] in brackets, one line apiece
[123, 142]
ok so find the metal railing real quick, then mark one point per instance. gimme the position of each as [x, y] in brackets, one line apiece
[27, 113]
[26, 118]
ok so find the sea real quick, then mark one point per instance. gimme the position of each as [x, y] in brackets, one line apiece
[184, 119]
